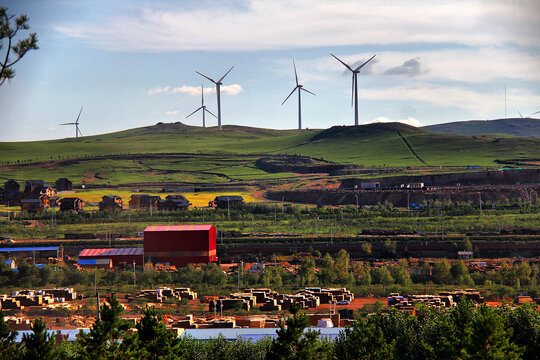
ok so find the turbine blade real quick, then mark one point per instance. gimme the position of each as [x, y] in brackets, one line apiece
[534, 113]
[295, 74]
[347, 66]
[204, 76]
[77, 121]
[80, 133]
[208, 111]
[69, 124]
[361, 66]
[520, 114]
[223, 77]
[307, 91]
[194, 112]
[289, 95]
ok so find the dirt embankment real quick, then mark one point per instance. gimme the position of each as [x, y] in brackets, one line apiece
[303, 165]
[506, 177]
[401, 198]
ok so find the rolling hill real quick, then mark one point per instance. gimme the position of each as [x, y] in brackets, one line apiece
[180, 153]
[524, 127]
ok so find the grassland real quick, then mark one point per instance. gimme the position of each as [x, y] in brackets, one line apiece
[375, 144]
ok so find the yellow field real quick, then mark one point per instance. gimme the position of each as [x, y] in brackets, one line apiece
[199, 199]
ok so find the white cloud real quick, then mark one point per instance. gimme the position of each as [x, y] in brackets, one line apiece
[52, 128]
[172, 112]
[233, 89]
[412, 67]
[478, 65]
[409, 121]
[268, 24]
[158, 90]
[480, 104]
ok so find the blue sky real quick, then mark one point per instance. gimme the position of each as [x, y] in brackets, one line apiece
[132, 63]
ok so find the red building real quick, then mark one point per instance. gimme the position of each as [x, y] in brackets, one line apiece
[119, 256]
[180, 245]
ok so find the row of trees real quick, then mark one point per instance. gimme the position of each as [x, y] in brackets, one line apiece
[464, 332]
[314, 270]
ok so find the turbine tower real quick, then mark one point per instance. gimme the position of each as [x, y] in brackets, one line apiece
[204, 109]
[218, 92]
[76, 123]
[299, 88]
[355, 73]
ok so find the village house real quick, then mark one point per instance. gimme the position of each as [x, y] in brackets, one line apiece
[143, 201]
[33, 186]
[227, 202]
[63, 184]
[35, 202]
[110, 203]
[174, 202]
[11, 186]
[71, 203]
[11, 194]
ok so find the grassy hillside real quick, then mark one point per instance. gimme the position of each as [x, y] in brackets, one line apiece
[197, 155]
[524, 127]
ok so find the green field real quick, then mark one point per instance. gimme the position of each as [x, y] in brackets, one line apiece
[168, 153]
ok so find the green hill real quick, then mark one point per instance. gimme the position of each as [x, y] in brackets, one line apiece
[180, 153]
[524, 127]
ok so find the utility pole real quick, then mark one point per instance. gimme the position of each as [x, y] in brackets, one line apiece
[480, 201]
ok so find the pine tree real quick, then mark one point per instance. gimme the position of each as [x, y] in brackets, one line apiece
[8, 347]
[292, 343]
[103, 338]
[154, 339]
[38, 345]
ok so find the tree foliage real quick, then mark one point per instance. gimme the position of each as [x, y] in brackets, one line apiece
[293, 343]
[38, 345]
[15, 49]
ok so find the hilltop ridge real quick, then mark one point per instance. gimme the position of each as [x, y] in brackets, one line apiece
[523, 127]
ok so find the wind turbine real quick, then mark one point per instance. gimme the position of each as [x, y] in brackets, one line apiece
[299, 88]
[76, 123]
[355, 73]
[204, 109]
[534, 113]
[218, 92]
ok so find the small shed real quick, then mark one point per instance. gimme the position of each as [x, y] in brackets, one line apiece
[63, 184]
[95, 263]
[71, 203]
[227, 202]
[110, 203]
[119, 256]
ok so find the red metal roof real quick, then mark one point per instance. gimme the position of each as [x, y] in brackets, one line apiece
[111, 252]
[178, 227]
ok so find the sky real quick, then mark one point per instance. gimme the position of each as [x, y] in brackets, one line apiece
[132, 63]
